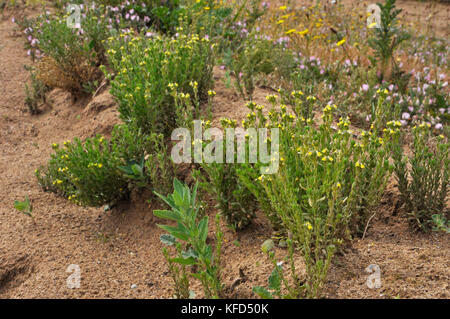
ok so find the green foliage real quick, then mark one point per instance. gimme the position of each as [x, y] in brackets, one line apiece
[235, 201]
[326, 184]
[423, 177]
[255, 57]
[72, 56]
[87, 173]
[387, 37]
[159, 166]
[24, 207]
[35, 93]
[440, 223]
[94, 172]
[193, 234]
[278, 284]
[143, 71]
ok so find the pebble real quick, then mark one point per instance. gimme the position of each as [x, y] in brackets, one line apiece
[133, 286]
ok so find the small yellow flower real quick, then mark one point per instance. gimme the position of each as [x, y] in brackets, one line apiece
[341, 42]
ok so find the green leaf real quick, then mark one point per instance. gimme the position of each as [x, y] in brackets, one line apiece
[190, 253]
[178, 187]
[203, 229]
[20, 206]
[167, 214]
[184, 261]
[167, 239]
[267, 245]
[262, 292]
[275, 279]
[174, 231]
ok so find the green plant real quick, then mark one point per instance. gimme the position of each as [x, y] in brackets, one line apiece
[326, 184]
[145, 73]
[235, 201]
[221, 180]
[159, 165]
[193, 234]
[134, 171]
[440, 223]
[387, 37]
[25, 207]
[254, 57]
[87, 172]
[424, 186]
[34, 93]
[278, 284]
[72, 56]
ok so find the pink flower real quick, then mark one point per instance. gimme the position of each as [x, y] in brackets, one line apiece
[365, 87]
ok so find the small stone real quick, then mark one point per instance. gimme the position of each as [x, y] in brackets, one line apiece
[133, 286]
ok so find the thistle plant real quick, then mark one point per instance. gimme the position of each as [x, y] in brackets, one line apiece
[191, 233]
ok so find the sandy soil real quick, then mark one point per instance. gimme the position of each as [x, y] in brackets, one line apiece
[119, 251]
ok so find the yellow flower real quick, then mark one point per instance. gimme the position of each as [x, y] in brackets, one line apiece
[290, 31]
[282, 8]
[341, 42]
[308, 225]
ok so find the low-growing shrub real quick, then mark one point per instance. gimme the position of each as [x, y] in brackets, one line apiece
[234, 200]
[87, 173]
[98, 171]
[423, 177]
[146, 71]
[72, 55]
[326, 184]
[191, 233]
[257, 57]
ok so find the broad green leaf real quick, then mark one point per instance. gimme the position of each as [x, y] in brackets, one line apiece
[167, 239]
[275, 279]
[267, 245]
[262, 292]
[174, 231]
[20, 206]
[167, 214]
[190, 253]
